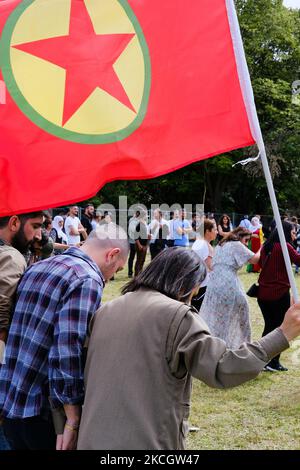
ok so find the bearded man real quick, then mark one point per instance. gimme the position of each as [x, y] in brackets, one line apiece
[17, 232]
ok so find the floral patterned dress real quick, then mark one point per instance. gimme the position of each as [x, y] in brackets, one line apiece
[225, 308]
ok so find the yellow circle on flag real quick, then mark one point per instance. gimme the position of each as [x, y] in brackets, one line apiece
[100, 111]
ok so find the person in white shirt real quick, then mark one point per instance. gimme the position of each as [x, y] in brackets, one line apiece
[205, 251]
[74, 228]
[159, 230]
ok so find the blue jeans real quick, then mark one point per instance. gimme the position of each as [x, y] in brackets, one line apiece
[3, 442]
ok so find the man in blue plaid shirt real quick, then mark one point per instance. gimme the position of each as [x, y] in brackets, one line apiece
[56, 300]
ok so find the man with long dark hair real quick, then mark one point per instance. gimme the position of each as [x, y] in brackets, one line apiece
[146, 346]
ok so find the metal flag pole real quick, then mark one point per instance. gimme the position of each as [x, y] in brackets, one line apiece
[247, 90]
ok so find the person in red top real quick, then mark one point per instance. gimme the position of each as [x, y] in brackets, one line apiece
[274, 287]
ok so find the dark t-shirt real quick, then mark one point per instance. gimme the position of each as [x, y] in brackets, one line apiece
[87, 223]
[225, 229]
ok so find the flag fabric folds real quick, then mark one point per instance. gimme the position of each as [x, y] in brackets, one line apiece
[97, 91]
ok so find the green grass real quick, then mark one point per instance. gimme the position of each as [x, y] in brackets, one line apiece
[261, 414]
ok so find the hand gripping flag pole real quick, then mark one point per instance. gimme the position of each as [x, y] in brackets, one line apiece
[256, 132]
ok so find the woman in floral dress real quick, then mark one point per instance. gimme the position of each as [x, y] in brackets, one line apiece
[225, 308]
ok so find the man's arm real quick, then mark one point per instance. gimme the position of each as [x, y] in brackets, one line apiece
[207, 358]
[139, 246]
[188, 228]
[60, 246]
[165, 229]
[72, 230]
[82, 231]
[68, 439]
[178, 228]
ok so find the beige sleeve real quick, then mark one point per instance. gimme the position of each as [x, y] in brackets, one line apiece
[12, 266]
[206, 357]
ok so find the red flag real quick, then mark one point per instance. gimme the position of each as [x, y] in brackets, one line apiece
[98, 91]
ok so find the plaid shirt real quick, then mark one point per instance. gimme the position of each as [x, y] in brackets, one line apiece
[56, 299]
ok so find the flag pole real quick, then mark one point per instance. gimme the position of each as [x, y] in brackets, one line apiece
[247, 91]
[279, 227]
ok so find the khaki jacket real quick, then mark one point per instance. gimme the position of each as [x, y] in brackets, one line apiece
[144, 349]
[12, 266]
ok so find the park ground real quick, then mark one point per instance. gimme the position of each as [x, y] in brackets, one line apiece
[262, 414]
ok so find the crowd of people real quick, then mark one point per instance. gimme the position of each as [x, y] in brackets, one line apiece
[78, 374]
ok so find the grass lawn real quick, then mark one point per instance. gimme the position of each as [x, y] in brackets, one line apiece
[262, 414]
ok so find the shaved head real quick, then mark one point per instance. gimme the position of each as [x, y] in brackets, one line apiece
[108, 236]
